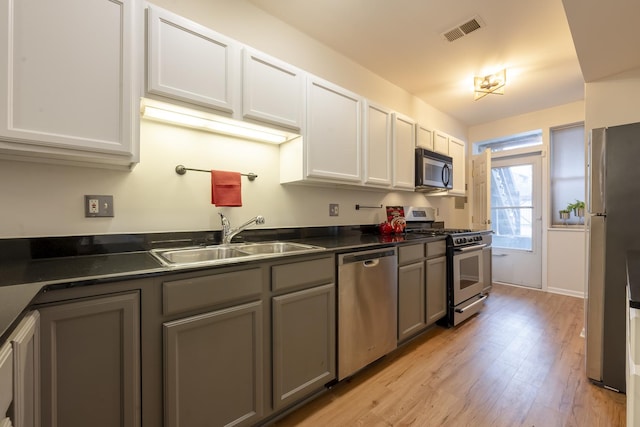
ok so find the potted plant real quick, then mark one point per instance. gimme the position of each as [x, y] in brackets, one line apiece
[577, 208]
[564, 215]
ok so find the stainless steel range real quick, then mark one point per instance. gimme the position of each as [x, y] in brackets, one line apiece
[466, 276]
[468, 262]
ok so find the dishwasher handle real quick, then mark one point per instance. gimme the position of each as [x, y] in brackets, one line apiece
[371, 262]
[370, 258]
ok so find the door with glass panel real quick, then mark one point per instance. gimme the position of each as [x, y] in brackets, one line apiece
[516, 220]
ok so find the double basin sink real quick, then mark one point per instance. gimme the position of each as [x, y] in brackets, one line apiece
[222, 254]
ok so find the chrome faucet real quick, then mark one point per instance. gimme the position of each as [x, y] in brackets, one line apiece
[228, 233]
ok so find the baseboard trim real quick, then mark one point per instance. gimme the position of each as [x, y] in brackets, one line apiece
[517, 285]
[566, 292]
[550, 289]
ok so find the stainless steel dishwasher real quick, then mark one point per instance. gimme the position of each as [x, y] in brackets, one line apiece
[367, 308]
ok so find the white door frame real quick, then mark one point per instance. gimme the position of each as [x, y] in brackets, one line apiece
[539, 209]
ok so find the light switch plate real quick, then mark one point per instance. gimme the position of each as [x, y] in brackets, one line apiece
[98, 206]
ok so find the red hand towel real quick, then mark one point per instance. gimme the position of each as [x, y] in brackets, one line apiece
[226, 188]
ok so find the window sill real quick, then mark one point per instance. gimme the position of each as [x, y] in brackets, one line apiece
[577, 228]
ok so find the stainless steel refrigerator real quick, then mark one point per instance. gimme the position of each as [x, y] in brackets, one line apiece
[613, 228]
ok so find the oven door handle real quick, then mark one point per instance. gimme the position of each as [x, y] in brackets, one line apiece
[480, 299]
[471, 248]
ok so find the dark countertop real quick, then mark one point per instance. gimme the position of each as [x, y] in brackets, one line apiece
[633, 278]
[22, 281]
[27, 267]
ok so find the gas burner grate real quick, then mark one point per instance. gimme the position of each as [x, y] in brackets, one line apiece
[455, 230]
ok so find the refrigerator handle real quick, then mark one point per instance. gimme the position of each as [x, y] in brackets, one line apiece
[597, 171]
[594, 302]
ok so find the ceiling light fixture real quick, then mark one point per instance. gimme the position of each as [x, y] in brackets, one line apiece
[169, 113]
[492, 83]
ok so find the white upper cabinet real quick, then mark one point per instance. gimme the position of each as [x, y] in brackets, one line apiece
[191, 63]
[404, 141]
[454, 148]
[333, 132]
[441, 142]
[377, 145]
[273, 91]
[457, 152]
[424, 137]
[69, 88]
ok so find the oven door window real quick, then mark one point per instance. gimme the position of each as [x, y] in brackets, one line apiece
[467, 275]
[469, 272]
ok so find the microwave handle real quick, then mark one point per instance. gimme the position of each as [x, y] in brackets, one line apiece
[446, 174]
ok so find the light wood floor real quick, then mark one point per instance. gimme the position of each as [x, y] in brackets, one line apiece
[520, 362]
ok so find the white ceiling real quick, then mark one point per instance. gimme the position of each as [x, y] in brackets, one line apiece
[401, 41]
[606, 35]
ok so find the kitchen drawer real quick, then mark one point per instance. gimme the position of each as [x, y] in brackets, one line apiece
[206, 291]
[435, 249]
[303, 273]
[410, 253]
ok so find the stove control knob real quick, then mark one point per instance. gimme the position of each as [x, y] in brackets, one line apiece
[458, 240]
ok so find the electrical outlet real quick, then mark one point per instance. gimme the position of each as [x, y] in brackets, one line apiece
[334, 209]
[98, 206]
[93, 206]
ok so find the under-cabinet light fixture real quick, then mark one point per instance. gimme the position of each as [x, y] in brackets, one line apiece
[491, 83]
[169, 113]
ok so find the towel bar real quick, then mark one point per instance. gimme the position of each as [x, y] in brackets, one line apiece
[358, 207]
[181, 170]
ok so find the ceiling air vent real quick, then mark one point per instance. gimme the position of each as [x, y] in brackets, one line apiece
[463, 29]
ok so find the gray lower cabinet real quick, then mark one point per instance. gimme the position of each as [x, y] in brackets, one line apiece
[436, 289]
[213, 368]
[90, 362]
[412, 315]
[436, 280]
[6, 384]
[304, 350]
[213, 339]
[25, 341]
[411, 299]
[223, 347]
[422, 286]
[20, 375]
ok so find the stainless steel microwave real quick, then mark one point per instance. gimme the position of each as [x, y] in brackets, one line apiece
[434, 171]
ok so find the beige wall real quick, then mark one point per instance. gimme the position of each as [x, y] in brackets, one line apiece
[566, 261]
[613, 100]
[47, 200]
[542, 119]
